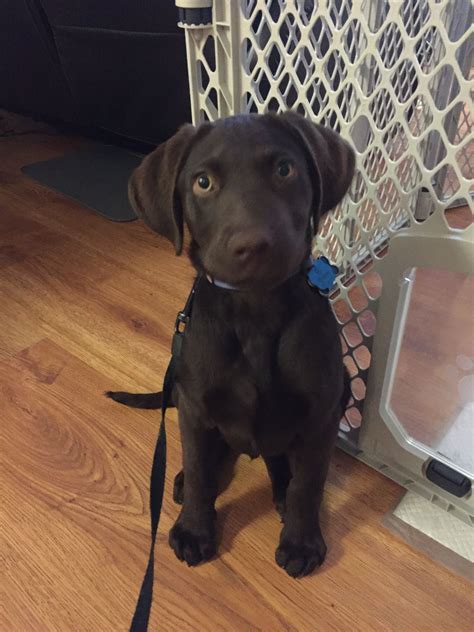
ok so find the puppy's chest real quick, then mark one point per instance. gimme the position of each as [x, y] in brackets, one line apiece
[256, 355]
[244, 392]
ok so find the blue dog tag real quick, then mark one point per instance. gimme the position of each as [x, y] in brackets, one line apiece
[322, 275]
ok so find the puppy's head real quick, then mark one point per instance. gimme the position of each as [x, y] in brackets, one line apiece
[251, 189]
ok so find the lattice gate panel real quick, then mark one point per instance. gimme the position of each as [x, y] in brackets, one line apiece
[393, 77]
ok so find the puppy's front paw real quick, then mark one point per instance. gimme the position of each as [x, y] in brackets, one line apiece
[298, 556]
[192, 545]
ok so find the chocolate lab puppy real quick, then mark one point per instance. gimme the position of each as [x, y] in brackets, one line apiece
[261, 366]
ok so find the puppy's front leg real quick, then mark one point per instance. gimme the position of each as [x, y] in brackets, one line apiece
[193, 537]
[302, 547]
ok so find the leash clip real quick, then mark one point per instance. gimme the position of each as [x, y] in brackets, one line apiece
[182, 320]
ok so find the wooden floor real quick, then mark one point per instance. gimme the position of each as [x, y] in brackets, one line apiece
[87, 305]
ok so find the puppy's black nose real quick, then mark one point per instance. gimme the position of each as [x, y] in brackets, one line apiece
[248, 245]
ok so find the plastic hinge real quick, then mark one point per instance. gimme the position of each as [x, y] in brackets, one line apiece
[195, 17]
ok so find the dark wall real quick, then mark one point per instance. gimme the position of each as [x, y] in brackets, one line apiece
[119, 65]
[31, 80]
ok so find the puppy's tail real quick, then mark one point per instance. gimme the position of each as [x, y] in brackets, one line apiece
[151, 401]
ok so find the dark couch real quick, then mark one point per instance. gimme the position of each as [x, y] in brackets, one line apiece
[118, 65]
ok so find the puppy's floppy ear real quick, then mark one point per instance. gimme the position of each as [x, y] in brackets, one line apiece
[152, 187]
[331, 161]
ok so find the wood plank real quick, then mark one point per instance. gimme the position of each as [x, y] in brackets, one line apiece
[78, 464]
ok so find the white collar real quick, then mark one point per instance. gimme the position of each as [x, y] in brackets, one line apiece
[221, 284]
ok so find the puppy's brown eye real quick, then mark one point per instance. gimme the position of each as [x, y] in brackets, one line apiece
[203, 184]
[285, 168]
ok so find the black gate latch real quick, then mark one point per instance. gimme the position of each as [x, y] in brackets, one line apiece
[448, 479]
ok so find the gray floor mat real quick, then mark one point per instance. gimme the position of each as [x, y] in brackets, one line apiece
[96, 177]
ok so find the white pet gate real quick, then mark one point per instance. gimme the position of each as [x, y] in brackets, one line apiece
[393, 77]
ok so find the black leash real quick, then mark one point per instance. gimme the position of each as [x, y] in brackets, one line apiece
[158, 469]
